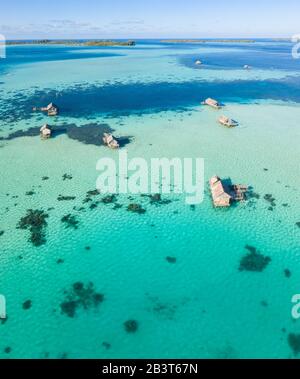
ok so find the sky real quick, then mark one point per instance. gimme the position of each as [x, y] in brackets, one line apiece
[135, 19]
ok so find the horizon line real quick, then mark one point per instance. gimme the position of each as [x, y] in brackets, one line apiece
[145, 38]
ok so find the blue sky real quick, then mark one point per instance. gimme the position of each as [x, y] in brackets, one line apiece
[149, 18]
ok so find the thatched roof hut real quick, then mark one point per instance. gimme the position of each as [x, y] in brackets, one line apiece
[228, 122]
[221, 198]
[110, 141]
[212, 103]
[223, 195]
[51, 109]
[45, 131]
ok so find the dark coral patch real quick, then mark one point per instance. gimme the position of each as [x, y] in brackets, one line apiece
[270, 199]
[80, 296]
[109, 199]
[27, 304]
[87, 200]
[164, 310]
[171, 259]
[7, 350]
[131, 326]
[298, 224]
[66, 198]
[35, 221]
[252, 195]
[89, 196]
[67, 177]
[93, 206]
[106, 345]
[117, 206]
[69, 308]
[136, 208]
[92, 193]
[30, 193]
[70, 221]
[294, 342]
[1, 232]
[156, 199]
[254, 260]
[287, 273]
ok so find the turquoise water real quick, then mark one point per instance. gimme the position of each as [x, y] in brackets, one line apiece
[198, 304]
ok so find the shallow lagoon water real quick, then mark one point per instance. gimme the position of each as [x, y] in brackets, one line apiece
[200, 305]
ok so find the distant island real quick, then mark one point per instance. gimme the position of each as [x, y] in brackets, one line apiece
[73, 42]
[110, 43]
[196, 41]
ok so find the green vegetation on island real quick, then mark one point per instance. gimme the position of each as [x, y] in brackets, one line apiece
[103, 43]
[110, 43]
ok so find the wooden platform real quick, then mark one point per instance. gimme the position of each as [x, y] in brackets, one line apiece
[223, 195]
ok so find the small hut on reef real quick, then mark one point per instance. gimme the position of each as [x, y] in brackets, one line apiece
[212, 103]
[239, 192]
[51, 109]
[228, 122]
[110, 141]
[45, 131]
[223, 195]
[198, 62]
[247, 67]
[221, 198]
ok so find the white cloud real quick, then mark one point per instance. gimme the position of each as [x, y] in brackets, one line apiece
[52, 27]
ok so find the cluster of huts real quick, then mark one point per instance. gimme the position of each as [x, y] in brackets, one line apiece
[223, 120]
[225, 195]
[53, 110]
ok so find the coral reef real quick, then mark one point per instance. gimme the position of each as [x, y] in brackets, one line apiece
[254, 260]
[80, 296]
[136, 208]
[35, 221]
[131, 326]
